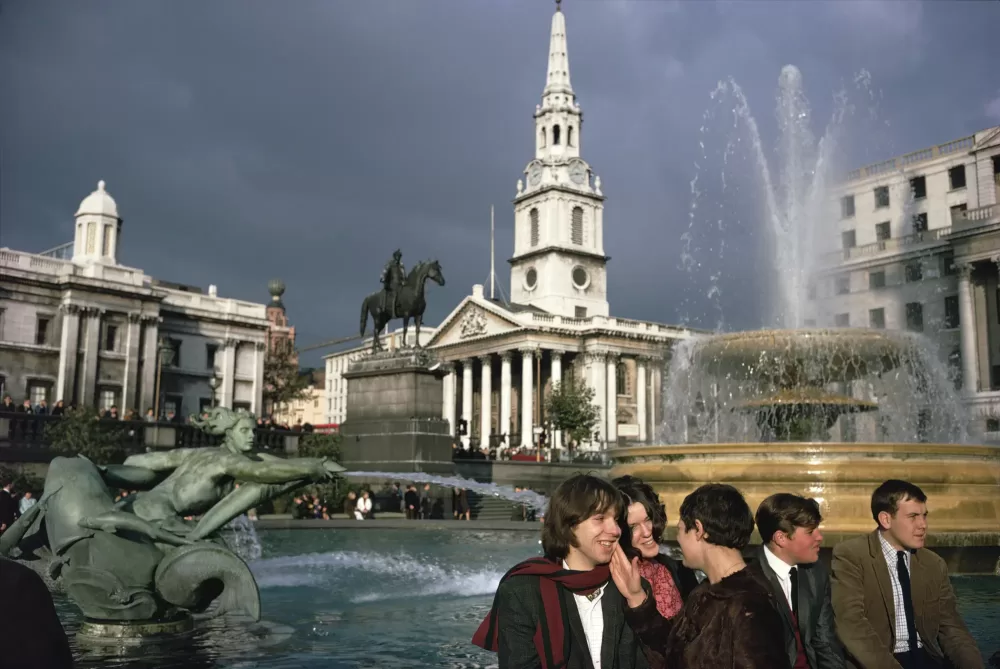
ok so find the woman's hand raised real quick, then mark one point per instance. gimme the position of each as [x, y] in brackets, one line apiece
[626, 576]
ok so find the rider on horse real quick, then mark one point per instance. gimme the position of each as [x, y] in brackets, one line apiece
[393, 277]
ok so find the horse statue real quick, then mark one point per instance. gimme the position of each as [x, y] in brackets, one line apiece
[409, 302]
[139, 559]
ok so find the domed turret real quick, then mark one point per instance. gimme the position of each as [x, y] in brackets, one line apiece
[99, 202]
[98, 227]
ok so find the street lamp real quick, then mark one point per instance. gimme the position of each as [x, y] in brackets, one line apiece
[213, 383]
[164, 356]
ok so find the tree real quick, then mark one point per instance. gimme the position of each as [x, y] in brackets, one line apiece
[283, 383]
[81, 432]
[570, 407]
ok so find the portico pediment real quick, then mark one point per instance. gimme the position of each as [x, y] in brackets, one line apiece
[472, 320]
[991, 139]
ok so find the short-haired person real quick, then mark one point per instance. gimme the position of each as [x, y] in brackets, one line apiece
[892, 598]
[789, 561]
[727, 623]
[557, 611]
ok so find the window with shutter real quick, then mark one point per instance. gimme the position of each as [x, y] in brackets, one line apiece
[534, 227]
[576, 232]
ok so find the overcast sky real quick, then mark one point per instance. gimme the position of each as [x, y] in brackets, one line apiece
[245, 140]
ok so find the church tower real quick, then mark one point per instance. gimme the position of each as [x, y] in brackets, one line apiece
[559, 263]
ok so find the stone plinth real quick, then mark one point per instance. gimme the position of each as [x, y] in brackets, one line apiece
[394, 419]
[961, 483]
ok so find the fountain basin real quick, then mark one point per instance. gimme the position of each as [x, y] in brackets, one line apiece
[962, 483]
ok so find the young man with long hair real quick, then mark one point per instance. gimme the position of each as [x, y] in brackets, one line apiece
[558, 611]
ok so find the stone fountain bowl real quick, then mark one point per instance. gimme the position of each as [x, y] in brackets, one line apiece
[808, 356]
[962, 483]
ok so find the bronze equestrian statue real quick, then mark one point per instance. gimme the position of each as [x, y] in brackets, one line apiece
[402, 297]
[392, 279]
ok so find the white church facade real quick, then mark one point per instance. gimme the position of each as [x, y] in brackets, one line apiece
[502, 359]
[78, 326]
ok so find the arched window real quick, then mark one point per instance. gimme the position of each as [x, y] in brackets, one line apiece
[542, 137]
[534, 226]
[622, 379]
[576, 226]
[569, 135]
[555, 135]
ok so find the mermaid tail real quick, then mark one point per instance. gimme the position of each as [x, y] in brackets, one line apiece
[192, 577]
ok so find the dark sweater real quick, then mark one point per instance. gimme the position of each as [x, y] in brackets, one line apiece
[732, 624]
[31, 636]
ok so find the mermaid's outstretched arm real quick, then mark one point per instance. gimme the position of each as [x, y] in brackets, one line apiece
[238, 502]
[161, 460]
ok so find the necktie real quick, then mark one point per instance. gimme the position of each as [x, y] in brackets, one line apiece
[904, 584]
[793, 575]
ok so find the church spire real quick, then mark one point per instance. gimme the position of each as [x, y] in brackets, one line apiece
[557, 77]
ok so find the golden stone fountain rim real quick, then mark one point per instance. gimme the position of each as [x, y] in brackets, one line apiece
[809, 449]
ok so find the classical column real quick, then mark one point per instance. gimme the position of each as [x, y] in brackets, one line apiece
[130, 382]
[229, 373]
[486, 397]
[527, 390]
[556, 378]
[91, 352]
[257, 403]
[68, 353]
[612, 407]
[448, 401]
[150, 335]
[595, 379]
[640, 395]
[655, 394]
[467, 400]
[967, 325]
[505, 384]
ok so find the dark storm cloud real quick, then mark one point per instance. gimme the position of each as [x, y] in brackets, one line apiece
[307, 140]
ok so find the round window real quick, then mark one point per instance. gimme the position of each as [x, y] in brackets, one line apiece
[530, 278]
[580, 277]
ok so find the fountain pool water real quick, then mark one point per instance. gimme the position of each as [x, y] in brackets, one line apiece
[829, 413]
[339, 599]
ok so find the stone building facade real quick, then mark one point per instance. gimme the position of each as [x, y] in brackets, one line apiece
[88, 330]
[918, 249]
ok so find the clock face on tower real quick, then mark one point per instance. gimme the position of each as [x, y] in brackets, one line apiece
[577, 172]
[535, 174]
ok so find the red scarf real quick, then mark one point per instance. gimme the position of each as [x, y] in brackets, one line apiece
[551, 640]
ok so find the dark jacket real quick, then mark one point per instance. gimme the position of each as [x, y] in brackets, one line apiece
[8, 511]
[732, 624]
[31, 636]
[819, 639]
[866, 611]
[684, 577]
[520, 608]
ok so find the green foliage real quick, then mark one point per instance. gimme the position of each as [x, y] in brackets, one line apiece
[22, 480]
[319, 445]
[81, 432]
[283, 383]
[570, 407]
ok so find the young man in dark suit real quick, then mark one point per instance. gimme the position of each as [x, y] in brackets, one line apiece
[789, 561]
[559, 611]
[892, 598]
